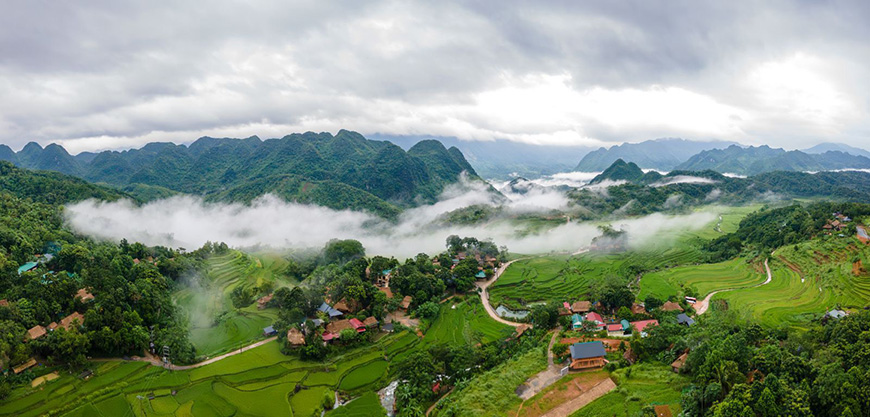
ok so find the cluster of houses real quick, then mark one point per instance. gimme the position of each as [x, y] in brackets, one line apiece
[38, 331]
[836, 223]
[580, 314]
[333, 327]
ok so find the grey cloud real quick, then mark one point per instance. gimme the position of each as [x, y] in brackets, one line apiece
[121, 73]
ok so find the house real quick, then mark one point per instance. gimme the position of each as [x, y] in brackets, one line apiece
[337, 326]
[370, 321]
[67, 322]
[35, 332]
[595, 318]
[480, 275]
[357, 325]
[343, 306]
[83, 295]
[663, 411]
[638, 308]
[691, 300]
[581, 306]
[685, 320]
[24, 366]
[406, 302]
[642, 325]
[4, 303]
[671, 306]
[615, 329]
[577, 322]
[587, 355]
[295, 337]
[30, 266]
[269, 331]
[328, 337]
[264, 300]
[331, 312]
[678, 364]
[52, 326]
[387, 327]
[836, 314]
[387, 291]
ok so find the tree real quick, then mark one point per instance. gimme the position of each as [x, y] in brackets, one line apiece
[651, 303]
[427, 310]
[342, 251]
[545, 316]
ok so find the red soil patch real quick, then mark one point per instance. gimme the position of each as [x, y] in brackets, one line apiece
[565, 392]
[858, 268]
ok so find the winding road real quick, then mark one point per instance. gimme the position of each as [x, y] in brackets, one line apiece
[484, 294]
[702, 306]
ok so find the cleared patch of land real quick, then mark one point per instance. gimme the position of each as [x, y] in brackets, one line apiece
[638, 386]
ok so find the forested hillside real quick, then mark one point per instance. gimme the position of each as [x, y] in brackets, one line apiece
[345, 171]
[756, 160]
[663, 154]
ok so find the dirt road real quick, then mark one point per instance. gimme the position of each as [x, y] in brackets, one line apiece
[544, 378]
[568, 408]
[702, 306]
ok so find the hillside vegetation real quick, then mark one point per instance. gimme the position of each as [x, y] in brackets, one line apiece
[345, 171]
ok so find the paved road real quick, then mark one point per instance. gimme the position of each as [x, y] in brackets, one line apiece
[484, 294]
[546, 377]
[568, 408]
[702, 306]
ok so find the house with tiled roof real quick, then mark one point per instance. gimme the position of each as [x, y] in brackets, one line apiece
[643, 325]
[671, 306]
[68, 321]
[83, 295]
[35, 332]
[581, 306]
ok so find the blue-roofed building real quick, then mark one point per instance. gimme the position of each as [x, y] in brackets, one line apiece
[576, 322]
[331, 312]
[386, 272]
[30, 266]
[685, 320]
[269, 331]
[480, 275]
[587, 355]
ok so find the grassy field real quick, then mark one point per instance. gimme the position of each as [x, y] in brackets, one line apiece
[646, 384]
[217, 327]
[366, 406]
[808, 279]
[465, 322]
[703, 279]
[261, 381]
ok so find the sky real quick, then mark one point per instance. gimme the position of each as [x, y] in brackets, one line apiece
[98, 75]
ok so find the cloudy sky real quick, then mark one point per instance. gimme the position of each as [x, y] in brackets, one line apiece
[104, 75]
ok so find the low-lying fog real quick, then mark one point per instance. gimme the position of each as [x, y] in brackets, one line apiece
[269, 222]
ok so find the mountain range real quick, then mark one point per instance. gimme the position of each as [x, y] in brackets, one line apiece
[344, 171]
[659, 154]
[755, 160]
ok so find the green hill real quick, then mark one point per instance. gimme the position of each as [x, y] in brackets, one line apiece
[341, 171]
[756, 160]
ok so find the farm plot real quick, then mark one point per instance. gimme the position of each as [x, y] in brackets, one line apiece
[215, 326]
[367, 405]
[649, 384]
[808, 279]
[702, 279]
[465, 322]
[260, 381]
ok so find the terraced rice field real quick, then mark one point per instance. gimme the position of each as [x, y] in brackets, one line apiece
[564, 278]
[467, 323]
[808, 280]
[366, 406]
[702, 279]
[261, 381]
[215, 326]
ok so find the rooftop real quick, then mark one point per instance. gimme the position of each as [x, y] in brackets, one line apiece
[587, 350]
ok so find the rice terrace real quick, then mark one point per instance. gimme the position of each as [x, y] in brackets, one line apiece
[435, 209]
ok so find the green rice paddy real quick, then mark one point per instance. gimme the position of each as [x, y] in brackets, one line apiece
[702, 279]
[217, 327]
[463, 322]
[261, 382]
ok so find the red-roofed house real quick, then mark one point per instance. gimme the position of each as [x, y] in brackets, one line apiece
[327, 336]
[642, 325]
[357, 325]
[566, 305]
[593, 316]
